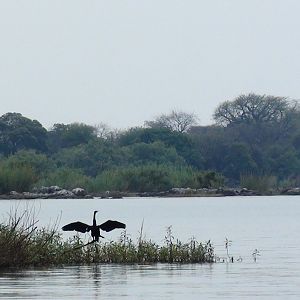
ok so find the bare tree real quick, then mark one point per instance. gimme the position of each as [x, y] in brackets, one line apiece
[104, 131]
[253, 108]
[258, 117]
[176, 121]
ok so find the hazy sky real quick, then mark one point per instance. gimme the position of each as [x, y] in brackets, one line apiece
[123, 62]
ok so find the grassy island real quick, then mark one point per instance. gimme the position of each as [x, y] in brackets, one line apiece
[23, 244]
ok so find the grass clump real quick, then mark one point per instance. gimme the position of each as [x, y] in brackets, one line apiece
[263, 184]
[147, 251]
[22, 245]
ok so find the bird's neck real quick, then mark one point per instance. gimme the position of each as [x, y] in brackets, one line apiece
[94, 219]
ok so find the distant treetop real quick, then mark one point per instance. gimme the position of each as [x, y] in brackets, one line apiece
[252, 108]
[18, 132]
[175, 121]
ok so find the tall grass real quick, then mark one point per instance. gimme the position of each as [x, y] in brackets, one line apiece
[263, 184]
[18, 178]
[22, 244]
[153, 178]
[290, 182]
[65, 178]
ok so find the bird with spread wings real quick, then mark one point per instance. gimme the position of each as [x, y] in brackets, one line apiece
[107, 226]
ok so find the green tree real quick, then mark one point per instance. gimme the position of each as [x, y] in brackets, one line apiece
[39, 162]
[94, 157]
[156, 152]
[182, 142]
[70, 135]
[238, 160]
[257, 119]
[18, 132]
[282, 161]
[253, 108]
[212, 143]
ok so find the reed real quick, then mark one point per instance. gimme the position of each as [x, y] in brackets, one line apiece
[22, 245]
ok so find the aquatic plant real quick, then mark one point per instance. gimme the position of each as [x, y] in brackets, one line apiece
[147, 251]
[255, 254]
[23, 244]
[228, 243]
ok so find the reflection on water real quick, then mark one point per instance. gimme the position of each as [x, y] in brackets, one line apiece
[269, 224]
[161, 281]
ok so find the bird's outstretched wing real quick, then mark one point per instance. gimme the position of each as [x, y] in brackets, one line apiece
[77, 226]
[111, 225]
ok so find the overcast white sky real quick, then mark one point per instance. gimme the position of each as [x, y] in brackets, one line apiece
[126, 61]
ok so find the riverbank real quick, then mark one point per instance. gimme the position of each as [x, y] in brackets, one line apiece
[55, 192]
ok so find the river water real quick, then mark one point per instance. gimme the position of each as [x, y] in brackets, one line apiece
[269, 224]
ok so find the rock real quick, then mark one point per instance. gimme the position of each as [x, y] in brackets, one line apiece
[79, 192]
[116, 197]
[64, 194]
[54, 189]
[153, 194]
[14, 193]
[28, 195]
[177, 190]
[207, 191]
[229, 192]
[46, 189]
[52, 192]
[292, 191]
[88, 197]
[226, 192]
[60, 194]
[246, 192]
[183, 191]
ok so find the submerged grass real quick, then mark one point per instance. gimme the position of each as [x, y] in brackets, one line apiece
[22, 245]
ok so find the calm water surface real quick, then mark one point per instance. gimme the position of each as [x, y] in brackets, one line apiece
[269, 224]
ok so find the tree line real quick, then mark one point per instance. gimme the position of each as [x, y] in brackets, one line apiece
[253, 137]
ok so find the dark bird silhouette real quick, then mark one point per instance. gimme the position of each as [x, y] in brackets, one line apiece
[109, 225]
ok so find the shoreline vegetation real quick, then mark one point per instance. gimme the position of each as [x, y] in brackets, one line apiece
[254, 144]
[23, 245]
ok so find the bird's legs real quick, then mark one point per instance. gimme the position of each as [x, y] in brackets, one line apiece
[96, 248]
